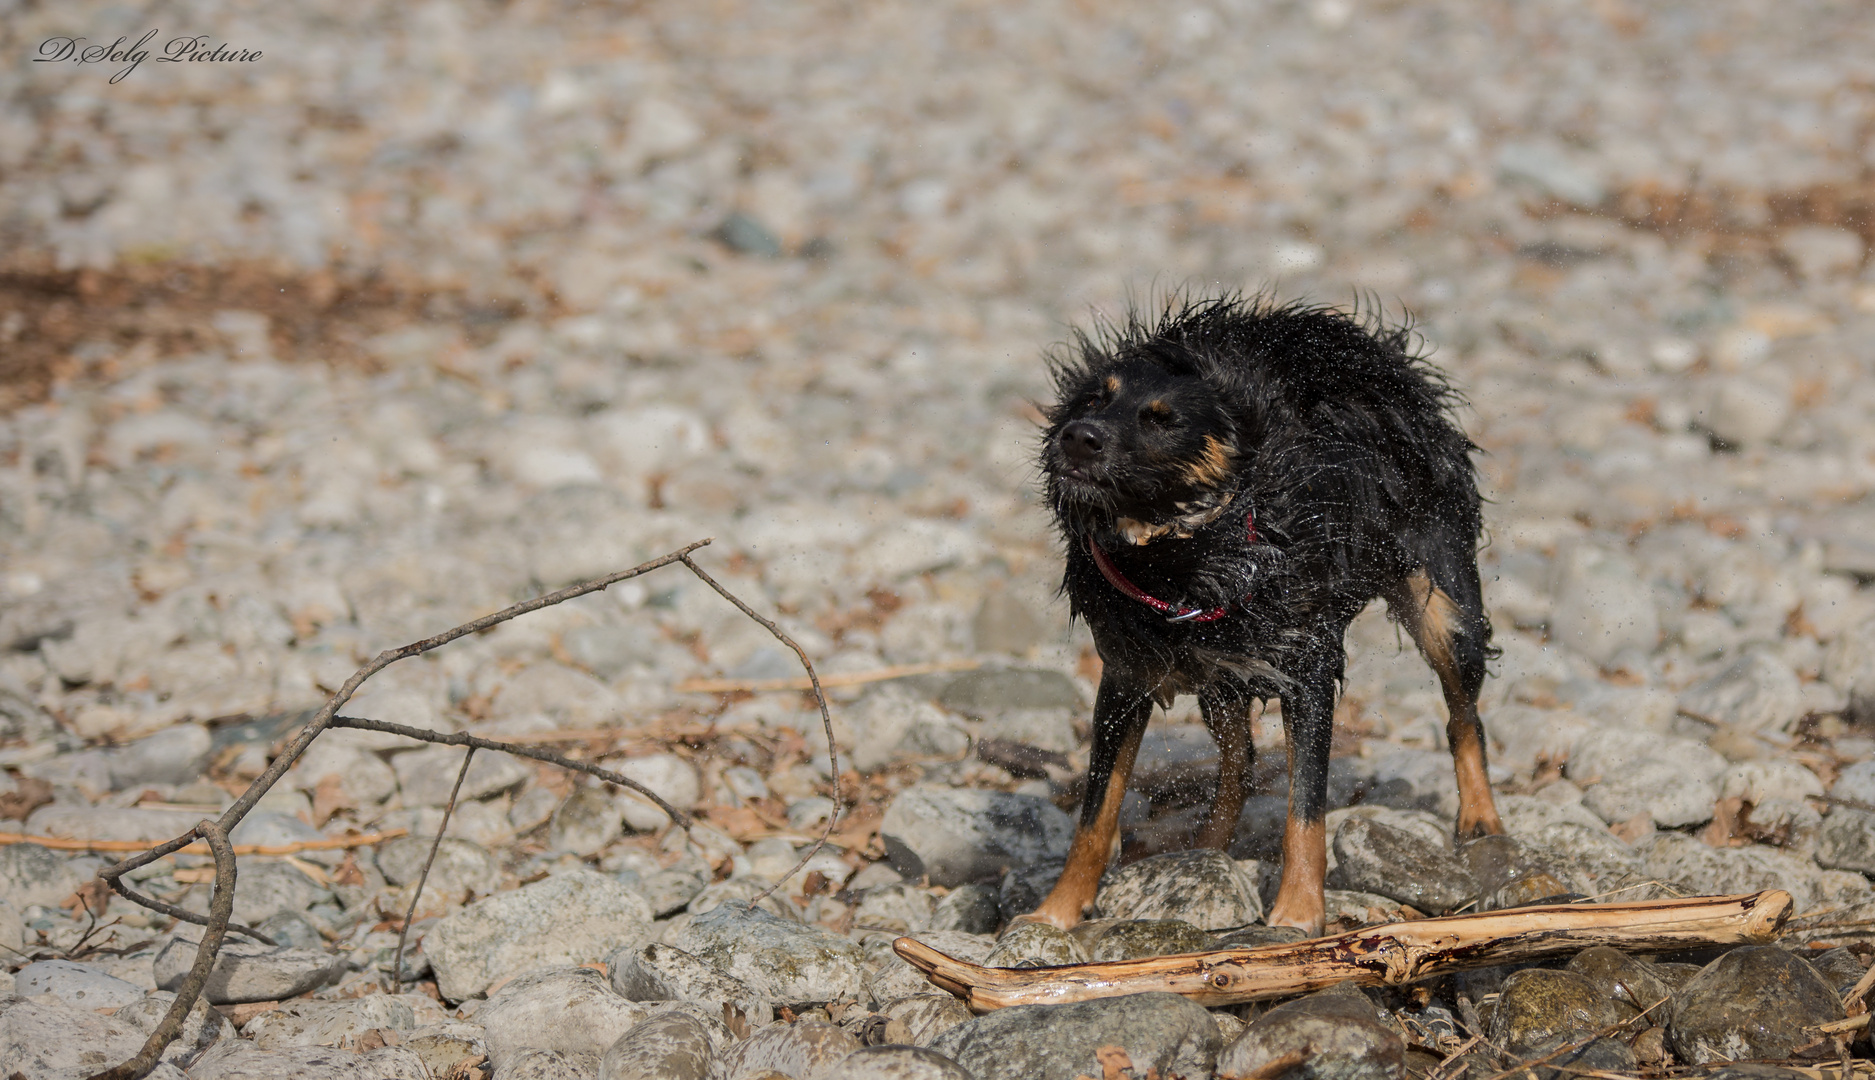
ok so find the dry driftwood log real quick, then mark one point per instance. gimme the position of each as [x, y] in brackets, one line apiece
[1392, 953]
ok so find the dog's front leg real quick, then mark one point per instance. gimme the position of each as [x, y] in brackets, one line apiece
[1308, 723]
[1122, 707]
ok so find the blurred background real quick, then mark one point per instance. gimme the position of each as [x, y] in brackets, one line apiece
[438, 304]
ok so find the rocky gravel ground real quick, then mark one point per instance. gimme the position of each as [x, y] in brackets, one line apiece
[438, 306]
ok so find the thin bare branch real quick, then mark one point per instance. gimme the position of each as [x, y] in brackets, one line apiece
[220, 910]
[403, 932]
[457, 738]
[180, 914]
[826, 720]
[338, 843]
[221, 907]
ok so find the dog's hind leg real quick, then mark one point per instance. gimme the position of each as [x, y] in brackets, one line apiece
[1122, 707]
[1231, 720]
[1308, 722]
[1443, 609]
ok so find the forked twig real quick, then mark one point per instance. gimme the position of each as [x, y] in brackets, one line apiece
[221, 904]
[220, 910]
[403, 932]
[826, 720]
[460, 738]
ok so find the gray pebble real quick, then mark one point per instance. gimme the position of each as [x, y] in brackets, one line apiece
[669, 891]
[1536, 1003]
[75, 984]
[1602, 606]
[784, 962]
[1706, 870]
[442, 1047]
[1035, 944]
[659, 972]
[1130, 939]
[1663, 792]
[201, 1029]
[805, 1050]
[271, 887]
[426, 776]
[897, 1063]
[926, 1016]
[534, 1063]
[1846, 840]
[1756, 692]
[958, 835]
[30, 874]
[174, 755]
[1203, 888]
[329, 1023]
[666, 1046]
[972, 909]
[292, 928]
[1252, 937]
[1755, 1002]
[1622, 978]
[1336, 1032]
[1371, 856]
[1059, 1042]
[566, 1010]
[585, 823]
[50, 1038]
[247, 970]
[897, 909]
[461, 868]
[572, 918]
[741, 891]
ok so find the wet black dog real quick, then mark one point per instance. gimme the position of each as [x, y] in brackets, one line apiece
[1235, 483]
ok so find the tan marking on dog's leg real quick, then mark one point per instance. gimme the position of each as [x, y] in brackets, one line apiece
[1092, 849]
[1299, 899]
[1477, 810]
[1433, 619]
[1233, 747]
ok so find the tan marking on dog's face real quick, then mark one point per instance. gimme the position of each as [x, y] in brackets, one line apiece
[1113, 384]
[1212, 468]
[1158, 408]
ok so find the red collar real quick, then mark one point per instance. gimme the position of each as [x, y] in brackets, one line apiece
[1172, 612]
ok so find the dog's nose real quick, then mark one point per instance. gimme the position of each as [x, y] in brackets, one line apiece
[1081, 442]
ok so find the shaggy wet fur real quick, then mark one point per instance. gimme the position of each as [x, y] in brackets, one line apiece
[1265, 471]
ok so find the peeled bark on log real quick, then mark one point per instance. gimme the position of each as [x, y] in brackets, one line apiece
[1390, 954]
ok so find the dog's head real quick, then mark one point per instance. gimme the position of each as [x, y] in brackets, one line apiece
[1136, 443]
